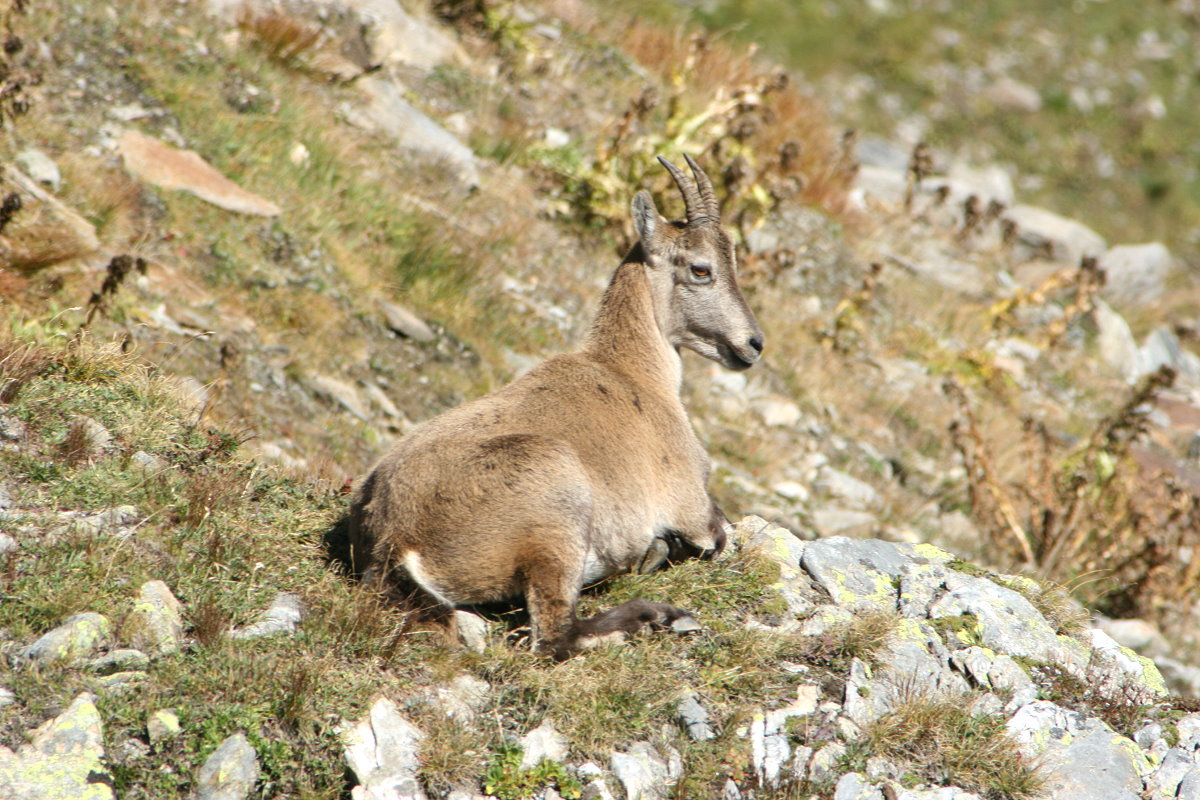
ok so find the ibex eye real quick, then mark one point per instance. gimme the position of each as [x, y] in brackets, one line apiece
[701, 271]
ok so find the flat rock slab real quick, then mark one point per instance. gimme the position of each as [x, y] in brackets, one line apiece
[64, 760]
[184, 170]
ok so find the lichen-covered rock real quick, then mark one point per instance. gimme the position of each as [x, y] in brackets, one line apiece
[77, 637]
[63, 761]
[161, 726]
[230, 772]
[1080, 757]
[156, 623]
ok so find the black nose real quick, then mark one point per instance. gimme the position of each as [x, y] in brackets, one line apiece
[757, 343]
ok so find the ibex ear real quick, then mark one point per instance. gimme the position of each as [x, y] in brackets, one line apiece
[645, 219]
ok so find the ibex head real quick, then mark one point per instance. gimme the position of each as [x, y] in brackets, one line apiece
[707, 312]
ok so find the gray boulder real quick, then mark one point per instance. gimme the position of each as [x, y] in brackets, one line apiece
[385, 110]
[230, 772]
[77, 637]
[1136, 274]
[1080, 757]
[156, 623]
[1041, 231]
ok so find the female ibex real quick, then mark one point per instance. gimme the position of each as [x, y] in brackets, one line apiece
[583, 467]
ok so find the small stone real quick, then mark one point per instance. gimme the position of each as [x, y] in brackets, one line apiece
[78, 636]
[119, 661]
[161, 726]
[109, 521]
[1007, 94]
[694, 718]
[230, 772]
[778, 412]
[472, 630]
[382, 752]
[156, 624]
[833, 521]
[1114, 340]
[6, 696]
[184, 170]
[686, 624]
[283, 616]
[12, 429]
[792, 490]
[543, 743]
[463, 698]
[40, 167]
[406, 323]
[97, 437]
[1165, 780]
[119, 682]
[838, 484]
[342, 393]
[8, 544]
[148, 462]
[596, 790]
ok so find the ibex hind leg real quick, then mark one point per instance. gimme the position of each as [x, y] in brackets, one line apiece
[617, 624]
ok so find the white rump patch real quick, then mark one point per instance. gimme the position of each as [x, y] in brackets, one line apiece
[412, 563]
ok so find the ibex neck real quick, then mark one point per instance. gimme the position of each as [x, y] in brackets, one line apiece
[628, 333]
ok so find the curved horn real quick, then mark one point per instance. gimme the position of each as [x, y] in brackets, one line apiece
[706, 189]
[695, 205]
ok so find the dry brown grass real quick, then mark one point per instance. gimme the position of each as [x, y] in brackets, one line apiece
[943, 743]
[284, 36]
[20, 363]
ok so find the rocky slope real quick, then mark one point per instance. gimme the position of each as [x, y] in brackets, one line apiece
[306, 226]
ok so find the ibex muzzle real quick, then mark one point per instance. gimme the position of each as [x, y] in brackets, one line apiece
[584, 467]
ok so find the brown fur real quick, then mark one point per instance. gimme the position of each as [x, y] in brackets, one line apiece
[574, 471]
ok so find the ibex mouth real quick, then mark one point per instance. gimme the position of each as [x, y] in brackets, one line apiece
[735, 361]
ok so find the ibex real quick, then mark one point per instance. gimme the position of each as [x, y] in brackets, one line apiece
[584, 467]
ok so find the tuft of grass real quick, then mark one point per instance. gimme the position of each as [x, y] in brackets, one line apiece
[945, 744]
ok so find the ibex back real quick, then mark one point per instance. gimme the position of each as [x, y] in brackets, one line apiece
[582, 468]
